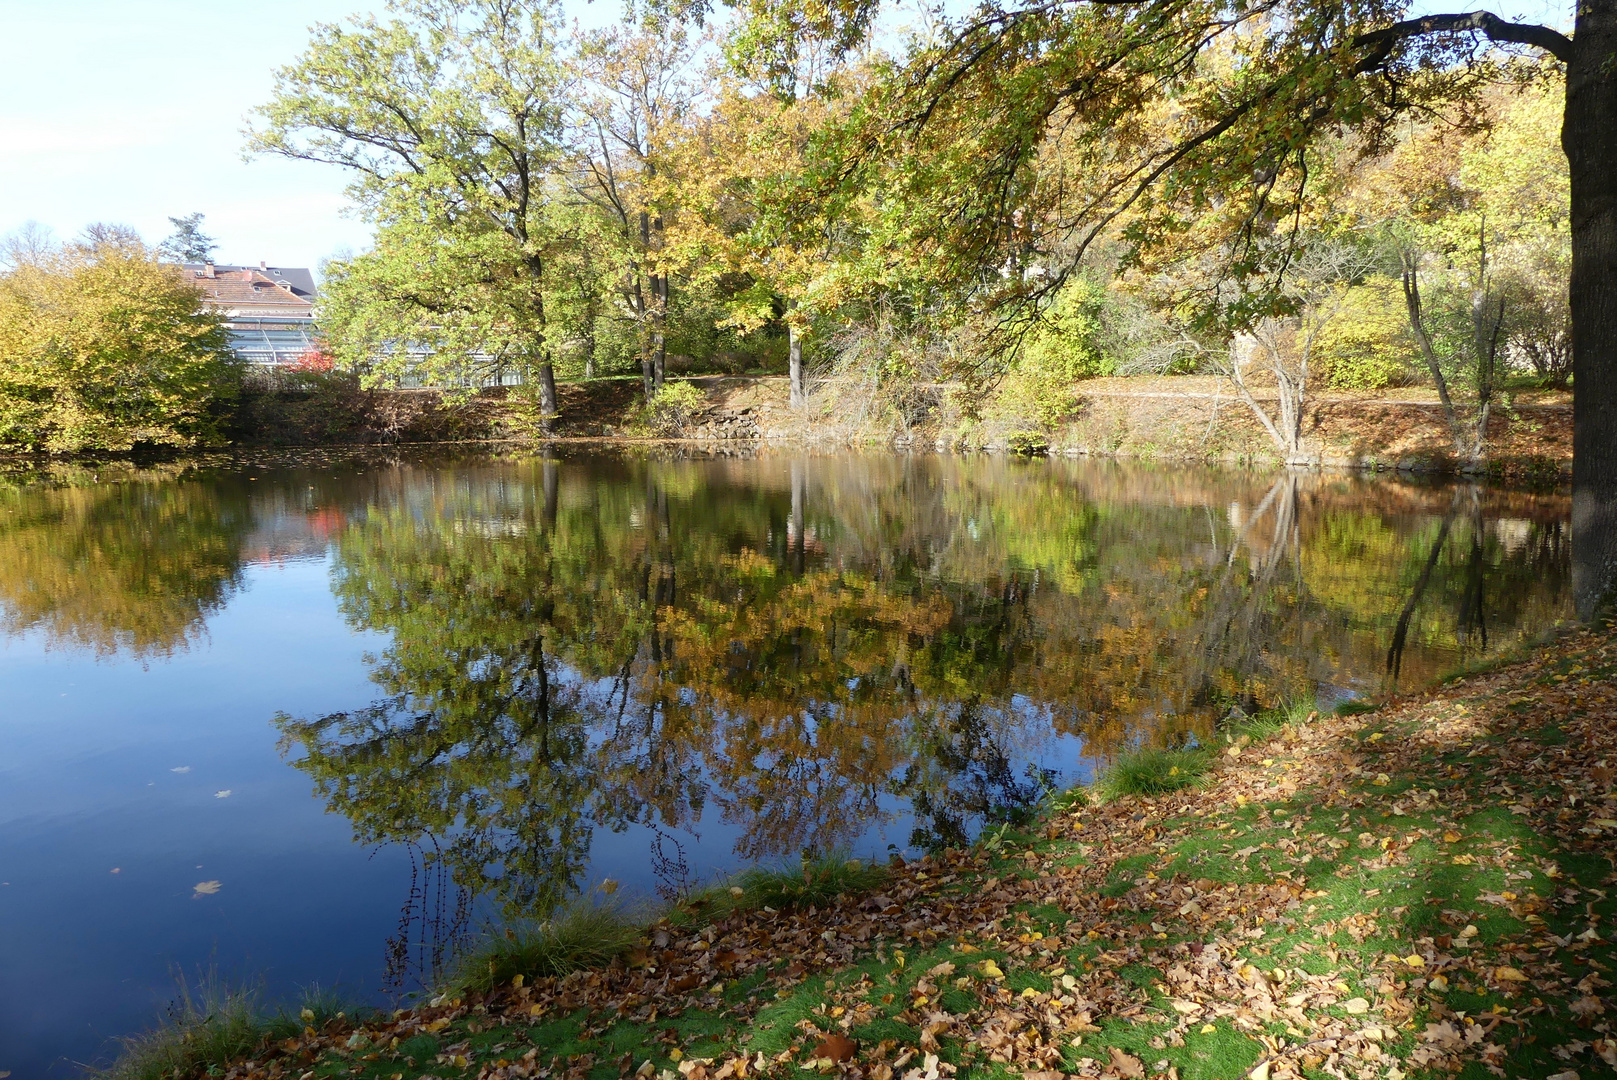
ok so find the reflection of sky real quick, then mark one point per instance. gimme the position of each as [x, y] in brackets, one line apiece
[88, 784]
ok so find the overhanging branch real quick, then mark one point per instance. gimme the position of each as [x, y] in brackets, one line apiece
[1381, 42]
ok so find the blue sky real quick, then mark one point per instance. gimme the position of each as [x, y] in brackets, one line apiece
[132, 110]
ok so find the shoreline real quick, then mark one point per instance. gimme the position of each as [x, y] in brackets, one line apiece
[1167, 419]
[1421, 884]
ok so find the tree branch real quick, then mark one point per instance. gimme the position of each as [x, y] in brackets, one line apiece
[1553, 42]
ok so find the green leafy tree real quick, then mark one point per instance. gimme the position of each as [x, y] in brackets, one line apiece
[188, 243]
[450, 117]
[104, 348]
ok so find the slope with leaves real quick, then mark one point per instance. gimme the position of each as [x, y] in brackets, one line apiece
[1422, 889]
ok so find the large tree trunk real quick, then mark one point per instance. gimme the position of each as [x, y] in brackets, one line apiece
[1589, 137]
[659, 339]
[794, 361]
[547, 395]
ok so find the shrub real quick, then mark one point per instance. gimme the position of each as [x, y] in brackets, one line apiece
[103, 348]
[1366, 345]
[673, 405]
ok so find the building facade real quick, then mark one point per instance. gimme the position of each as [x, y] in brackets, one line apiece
[269, 310]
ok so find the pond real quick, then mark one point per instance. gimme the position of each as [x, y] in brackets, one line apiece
[317, 719]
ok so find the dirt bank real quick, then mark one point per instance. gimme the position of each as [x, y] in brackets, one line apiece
[1190, 418]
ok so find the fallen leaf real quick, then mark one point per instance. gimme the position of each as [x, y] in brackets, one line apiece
[206, 888]
[1509, 974]
[224, 794]
[1356, 1006]
[991, 969]
[182, 769]
[1260, 1071]
[836, 1048]
[1127, 1065]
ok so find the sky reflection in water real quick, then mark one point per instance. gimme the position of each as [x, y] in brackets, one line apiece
[502, 679]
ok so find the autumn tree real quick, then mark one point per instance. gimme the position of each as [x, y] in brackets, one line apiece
[105, 348]
[641, 95]
[450, 118]
[1199, 115]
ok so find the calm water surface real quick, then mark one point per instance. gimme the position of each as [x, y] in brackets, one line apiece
[315, 720]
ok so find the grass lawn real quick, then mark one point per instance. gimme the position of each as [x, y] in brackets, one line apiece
[1421, 889]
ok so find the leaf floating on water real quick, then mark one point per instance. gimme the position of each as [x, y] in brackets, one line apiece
[207, 888]
[225, 794]
[182, 769]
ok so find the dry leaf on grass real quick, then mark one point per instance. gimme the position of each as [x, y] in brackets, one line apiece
[836, 1048]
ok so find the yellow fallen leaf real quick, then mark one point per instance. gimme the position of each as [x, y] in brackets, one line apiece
[516, 982]
[1606, 822]
[1452, 838]
[206, 888]
[1509, 974]
[1259, 1071]
[1208, 1029]
[438, 1025]
[1030, 993]
[991, 969]
[1414, 960]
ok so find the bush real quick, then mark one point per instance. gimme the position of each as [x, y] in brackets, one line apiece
[103, 348]
[672, 407]
[1366, 345]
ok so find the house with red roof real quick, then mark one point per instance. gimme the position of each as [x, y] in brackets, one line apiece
[269, 310]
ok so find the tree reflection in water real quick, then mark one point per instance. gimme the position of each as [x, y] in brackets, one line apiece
[810, 652]
[808, 648]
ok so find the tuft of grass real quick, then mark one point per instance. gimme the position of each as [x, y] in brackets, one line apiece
[818, 881]
[211, 1025]
[586, 934]
[1354, 707]
[1153, 772]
